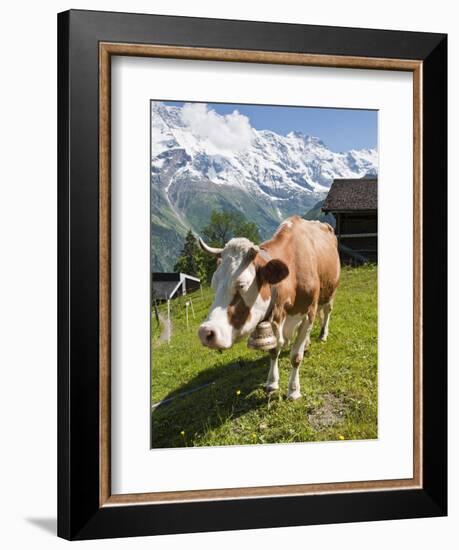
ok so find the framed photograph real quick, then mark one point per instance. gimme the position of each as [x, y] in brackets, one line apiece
[252, 274]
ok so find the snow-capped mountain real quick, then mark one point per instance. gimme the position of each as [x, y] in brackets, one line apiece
[201, 160]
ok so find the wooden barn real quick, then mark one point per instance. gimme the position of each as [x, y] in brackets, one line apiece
[354, 205]
[166, 286]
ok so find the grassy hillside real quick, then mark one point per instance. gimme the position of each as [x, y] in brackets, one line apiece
[224, 402]
[194, 201]
[316, 213]
[167, 234]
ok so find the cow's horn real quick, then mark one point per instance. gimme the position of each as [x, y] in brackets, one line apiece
[210, 249]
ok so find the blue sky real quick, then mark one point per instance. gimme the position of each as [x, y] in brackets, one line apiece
[339, 129]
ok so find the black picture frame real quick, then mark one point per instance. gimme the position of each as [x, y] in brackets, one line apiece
[80, 515]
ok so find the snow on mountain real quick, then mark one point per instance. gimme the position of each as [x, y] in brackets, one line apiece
[269, 164]
[202, 161]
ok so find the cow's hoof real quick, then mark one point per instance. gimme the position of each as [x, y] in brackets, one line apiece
[322, 338]
[294, 395]
[269, 388]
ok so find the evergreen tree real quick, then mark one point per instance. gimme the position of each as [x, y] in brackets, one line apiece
[191, 259]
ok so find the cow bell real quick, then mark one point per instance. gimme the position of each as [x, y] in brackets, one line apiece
[262, 338]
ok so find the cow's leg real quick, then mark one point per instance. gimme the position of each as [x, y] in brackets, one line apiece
[296, 356]
[320, 316]
[272, 384]
[326, 309]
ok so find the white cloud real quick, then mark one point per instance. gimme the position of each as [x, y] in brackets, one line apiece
[231, 132]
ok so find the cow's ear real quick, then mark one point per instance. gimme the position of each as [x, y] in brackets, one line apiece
[274, 272]
[253, 252]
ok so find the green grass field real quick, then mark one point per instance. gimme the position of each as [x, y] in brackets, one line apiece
[229, 405]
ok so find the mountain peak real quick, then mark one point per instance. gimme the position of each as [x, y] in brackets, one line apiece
[307, 139]
[297, 134]
[315, 141]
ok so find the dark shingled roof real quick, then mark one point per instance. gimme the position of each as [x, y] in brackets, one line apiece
[353, 194]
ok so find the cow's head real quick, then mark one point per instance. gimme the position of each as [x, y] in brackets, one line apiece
[242, 285]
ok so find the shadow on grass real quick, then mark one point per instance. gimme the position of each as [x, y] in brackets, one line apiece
[208, 400]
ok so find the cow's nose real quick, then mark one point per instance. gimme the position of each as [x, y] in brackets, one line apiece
[206, 335]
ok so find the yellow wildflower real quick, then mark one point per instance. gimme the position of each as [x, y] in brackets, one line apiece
[341, 437]
[238, 392]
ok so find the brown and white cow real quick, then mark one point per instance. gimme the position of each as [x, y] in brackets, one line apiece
[301, 262]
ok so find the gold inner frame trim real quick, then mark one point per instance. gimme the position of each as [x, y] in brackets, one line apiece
[106, 51]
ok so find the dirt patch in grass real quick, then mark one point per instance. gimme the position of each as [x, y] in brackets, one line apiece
[330, 413]
[166, 332]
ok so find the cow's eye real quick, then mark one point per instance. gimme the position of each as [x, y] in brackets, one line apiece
[241, 286]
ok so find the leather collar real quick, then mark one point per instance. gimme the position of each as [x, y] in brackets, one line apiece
[269, 313]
